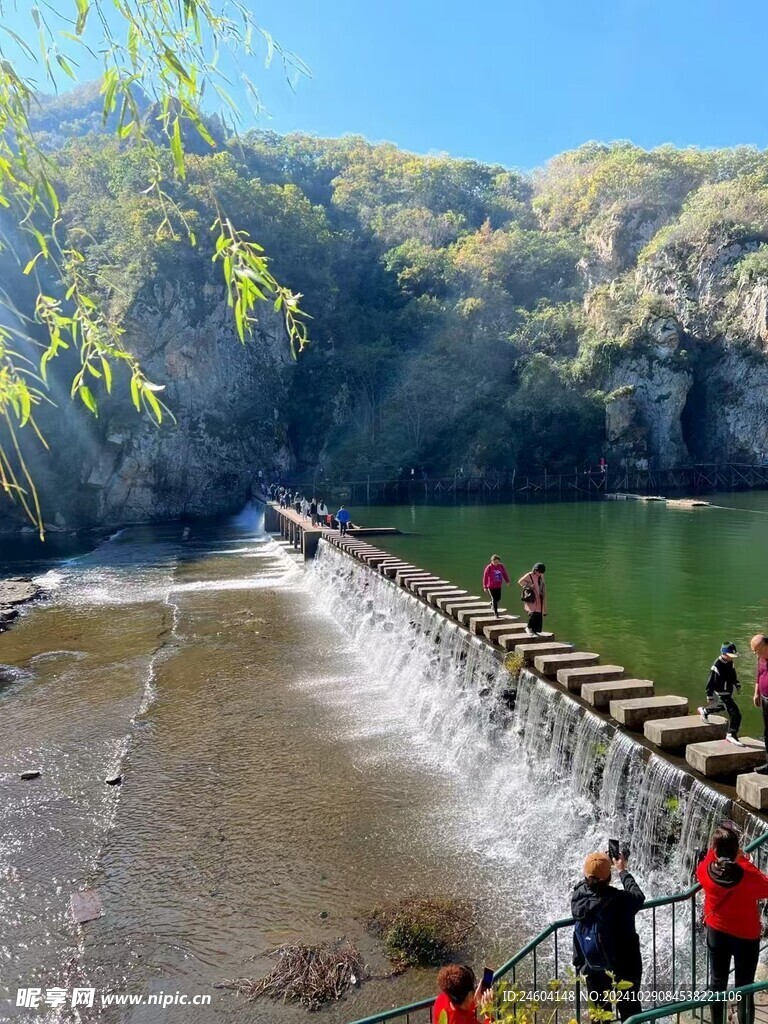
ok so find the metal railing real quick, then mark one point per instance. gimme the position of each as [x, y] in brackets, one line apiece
[690, 1006]
[539, 962]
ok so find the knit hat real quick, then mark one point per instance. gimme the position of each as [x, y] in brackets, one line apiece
[597, 866]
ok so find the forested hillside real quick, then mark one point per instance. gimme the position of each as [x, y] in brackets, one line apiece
[613, 302]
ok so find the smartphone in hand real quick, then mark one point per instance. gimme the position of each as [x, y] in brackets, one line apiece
[487, 979]
[613, 849]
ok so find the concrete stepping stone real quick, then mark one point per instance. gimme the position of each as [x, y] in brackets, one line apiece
[374, 559]
[464, 612]
[511, 641]
[467, 603]
[432, 594]
[484, 614]
[717, 758]
[550, 664]
[413, 581]
[440, 600]
[753, 790]
[508, 624]
[428, 586]
[673, 733]
[477, 624]
[391, 569]
[574, 678]
[411, 574]
[530, 650]
[633, 714]
[600, 695]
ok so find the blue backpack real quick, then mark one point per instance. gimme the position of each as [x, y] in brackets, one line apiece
[593, 940]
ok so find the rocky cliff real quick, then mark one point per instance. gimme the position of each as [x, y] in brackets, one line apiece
[227, 399]
[691, 385]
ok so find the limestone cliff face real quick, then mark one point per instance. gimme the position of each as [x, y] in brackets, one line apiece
[644, 419]
[703, 393]
[225, 396]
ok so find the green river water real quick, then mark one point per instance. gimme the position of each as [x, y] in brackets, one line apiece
[653, 588]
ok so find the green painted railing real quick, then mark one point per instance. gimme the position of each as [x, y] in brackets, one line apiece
[540, 960]
[676, 1010]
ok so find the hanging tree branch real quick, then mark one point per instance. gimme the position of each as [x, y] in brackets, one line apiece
[171, 51]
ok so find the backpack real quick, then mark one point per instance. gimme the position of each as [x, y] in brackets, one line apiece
[593, 941]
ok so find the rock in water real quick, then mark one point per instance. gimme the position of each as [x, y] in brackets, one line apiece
[85, 906]
[31, 773]
[114, 780]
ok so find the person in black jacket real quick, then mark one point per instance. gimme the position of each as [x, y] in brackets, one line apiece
[720, 686]
[608, 914]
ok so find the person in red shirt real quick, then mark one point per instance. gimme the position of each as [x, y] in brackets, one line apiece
[494, 578]
[733, 888]
[759, 645]
[460, 998]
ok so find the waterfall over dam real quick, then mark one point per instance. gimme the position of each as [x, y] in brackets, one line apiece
[544, 780]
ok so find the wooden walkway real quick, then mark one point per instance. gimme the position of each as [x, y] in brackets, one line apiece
[694, 479]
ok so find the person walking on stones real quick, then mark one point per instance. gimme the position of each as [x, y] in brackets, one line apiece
[759, 645]
[733, 888]
[343, 518]
[534, 597]
[494, 578]
[720, 687]
[606, 946]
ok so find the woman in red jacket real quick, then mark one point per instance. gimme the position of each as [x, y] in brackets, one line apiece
[733, 888]
[460, 998]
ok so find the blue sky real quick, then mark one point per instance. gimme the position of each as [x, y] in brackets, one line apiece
[514, 82]
[517, 82]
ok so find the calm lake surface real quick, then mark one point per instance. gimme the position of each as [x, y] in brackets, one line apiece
[652, 588]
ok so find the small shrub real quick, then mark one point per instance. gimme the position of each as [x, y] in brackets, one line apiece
[514, 663]
[423, 930]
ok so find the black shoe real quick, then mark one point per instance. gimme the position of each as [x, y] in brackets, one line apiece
[762, 770]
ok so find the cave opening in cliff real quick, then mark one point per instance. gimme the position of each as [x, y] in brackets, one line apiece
[698, 410]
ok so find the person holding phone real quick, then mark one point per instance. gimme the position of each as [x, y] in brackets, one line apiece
[733, 888]
[460, 999]
[606, 946]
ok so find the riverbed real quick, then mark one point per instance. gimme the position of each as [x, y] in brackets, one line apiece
[292, 754]
[255, 808]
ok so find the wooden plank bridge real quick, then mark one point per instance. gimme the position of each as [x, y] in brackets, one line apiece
[697, 478]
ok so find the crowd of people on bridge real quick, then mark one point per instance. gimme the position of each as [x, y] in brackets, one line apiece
[607, 952]
[315, 509]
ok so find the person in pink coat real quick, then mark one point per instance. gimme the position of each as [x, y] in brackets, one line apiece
[534, 597]
[494, 578]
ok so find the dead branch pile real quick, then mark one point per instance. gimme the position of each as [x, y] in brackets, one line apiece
[308, 975]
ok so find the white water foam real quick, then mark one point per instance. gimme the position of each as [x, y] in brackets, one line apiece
[538, 787]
